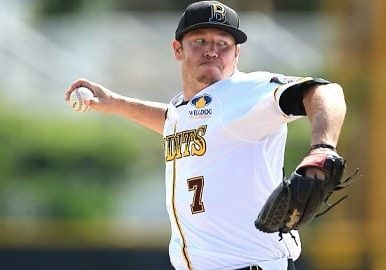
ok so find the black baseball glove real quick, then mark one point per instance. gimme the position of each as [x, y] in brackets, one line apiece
[297, 200]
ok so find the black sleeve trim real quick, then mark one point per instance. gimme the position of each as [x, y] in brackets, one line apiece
[291, 101]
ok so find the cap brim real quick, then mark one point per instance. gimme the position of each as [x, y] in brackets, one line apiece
[239, 36]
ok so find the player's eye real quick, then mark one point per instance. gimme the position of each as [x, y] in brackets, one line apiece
[199, 41]
[222, 43]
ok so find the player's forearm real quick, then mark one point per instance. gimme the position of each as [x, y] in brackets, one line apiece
[146, 113]
[326, 108]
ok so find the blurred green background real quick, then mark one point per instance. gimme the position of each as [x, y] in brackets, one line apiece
[87, 188]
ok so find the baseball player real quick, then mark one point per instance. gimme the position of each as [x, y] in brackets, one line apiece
[224, 139]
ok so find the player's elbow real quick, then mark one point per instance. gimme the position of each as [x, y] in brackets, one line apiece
[326, 98]
[336, 97]
[332, 94]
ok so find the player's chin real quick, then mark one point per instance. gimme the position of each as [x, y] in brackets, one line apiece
[210, 75]
[207, 79]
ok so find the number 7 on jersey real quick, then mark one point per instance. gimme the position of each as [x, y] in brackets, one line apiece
[196, 184]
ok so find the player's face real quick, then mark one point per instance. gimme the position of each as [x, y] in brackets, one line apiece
[207, 55]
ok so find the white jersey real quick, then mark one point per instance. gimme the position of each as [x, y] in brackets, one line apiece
[224, 154]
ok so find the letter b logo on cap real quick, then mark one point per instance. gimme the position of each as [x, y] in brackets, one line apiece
[218, 13]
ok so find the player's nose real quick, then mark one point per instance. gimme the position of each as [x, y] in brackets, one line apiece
[211, 50]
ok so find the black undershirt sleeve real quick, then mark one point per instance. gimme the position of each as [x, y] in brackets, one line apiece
[291, 101]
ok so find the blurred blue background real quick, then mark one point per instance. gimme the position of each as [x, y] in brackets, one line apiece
[86, 190]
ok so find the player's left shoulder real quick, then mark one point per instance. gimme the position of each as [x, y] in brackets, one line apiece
[280, 80]
[268, 78]
[253, 77]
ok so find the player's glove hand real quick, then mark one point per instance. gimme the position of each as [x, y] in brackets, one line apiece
[297, 200]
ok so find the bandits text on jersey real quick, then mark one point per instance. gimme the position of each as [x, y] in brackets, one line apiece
[185, 143]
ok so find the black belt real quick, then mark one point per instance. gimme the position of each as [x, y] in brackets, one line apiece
[291, 266]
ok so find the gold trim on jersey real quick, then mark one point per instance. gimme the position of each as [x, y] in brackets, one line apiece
[184, 248]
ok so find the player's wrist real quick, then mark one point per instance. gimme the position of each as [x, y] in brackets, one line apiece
[323, 147]
[323, 150]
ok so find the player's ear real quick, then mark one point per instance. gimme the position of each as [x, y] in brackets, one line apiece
[237, 54]
[177, 49]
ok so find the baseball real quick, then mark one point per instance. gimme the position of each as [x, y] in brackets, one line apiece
[77, 98]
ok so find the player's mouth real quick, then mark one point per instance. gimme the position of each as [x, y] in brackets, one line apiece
[211, 63]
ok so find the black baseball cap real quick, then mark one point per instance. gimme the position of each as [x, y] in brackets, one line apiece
[211, 14]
